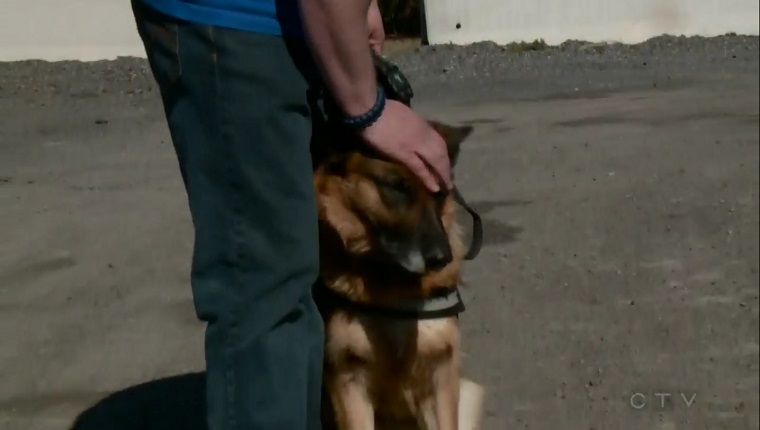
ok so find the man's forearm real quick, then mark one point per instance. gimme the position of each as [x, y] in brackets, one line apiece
[337, 34]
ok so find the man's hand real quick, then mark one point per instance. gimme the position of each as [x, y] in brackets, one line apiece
[375, 27]
[404, 136]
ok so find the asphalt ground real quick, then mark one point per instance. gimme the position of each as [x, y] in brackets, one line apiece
[617, 289]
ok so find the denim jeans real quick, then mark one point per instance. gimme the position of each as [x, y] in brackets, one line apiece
[240, 123]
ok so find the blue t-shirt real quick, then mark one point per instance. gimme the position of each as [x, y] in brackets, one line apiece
[275, 17]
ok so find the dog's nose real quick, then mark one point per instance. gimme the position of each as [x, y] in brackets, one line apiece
[437, 257]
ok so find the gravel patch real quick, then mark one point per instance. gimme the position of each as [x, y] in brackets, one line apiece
[484, 71]
[477, 72]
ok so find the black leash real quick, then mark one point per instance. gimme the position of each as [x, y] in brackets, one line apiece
[476, 242]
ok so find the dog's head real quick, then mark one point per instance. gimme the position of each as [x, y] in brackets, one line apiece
[380, 208]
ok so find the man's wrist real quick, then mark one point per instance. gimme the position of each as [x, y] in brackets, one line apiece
[356, 100]
[336, 32]
[369, 116]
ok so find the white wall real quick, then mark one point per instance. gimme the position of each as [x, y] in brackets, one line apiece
[103, 29]
[628, 21]
[67, 29]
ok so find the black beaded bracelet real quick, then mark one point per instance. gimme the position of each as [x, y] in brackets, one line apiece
[371, 116]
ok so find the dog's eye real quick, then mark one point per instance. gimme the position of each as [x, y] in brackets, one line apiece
[395, 191]
[396, 184]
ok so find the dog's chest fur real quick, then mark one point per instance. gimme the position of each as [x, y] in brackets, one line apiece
[396, 357]
[371, 339]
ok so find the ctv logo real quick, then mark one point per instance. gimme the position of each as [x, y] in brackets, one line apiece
[662, 400]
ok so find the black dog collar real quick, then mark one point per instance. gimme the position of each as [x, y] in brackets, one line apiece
[448, 303]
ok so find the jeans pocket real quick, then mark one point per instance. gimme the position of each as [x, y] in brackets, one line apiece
[160, 36]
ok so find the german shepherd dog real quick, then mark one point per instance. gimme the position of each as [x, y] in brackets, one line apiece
[385, 240]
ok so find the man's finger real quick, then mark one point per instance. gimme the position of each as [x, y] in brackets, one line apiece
[440, 165]
[443, 170]
[377, 46]
[375, 27]
[418, 166]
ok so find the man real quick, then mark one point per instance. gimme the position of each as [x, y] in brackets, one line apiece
[234, 77]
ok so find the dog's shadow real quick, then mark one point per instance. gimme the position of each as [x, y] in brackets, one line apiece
[496, 230]
[173, 403]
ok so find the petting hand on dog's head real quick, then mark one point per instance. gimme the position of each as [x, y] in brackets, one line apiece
[386, 125]
[405, 136]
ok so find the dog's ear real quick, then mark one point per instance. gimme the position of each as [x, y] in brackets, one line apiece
[453, 136]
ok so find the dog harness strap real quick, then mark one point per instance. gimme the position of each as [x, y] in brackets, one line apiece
[447, 305]
[477, 226]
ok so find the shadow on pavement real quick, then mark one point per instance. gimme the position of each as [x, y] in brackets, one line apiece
[173, 403]
[495, 230]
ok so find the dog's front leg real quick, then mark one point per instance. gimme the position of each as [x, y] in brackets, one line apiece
[350, 398]
[441, 410]
[447, 396]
